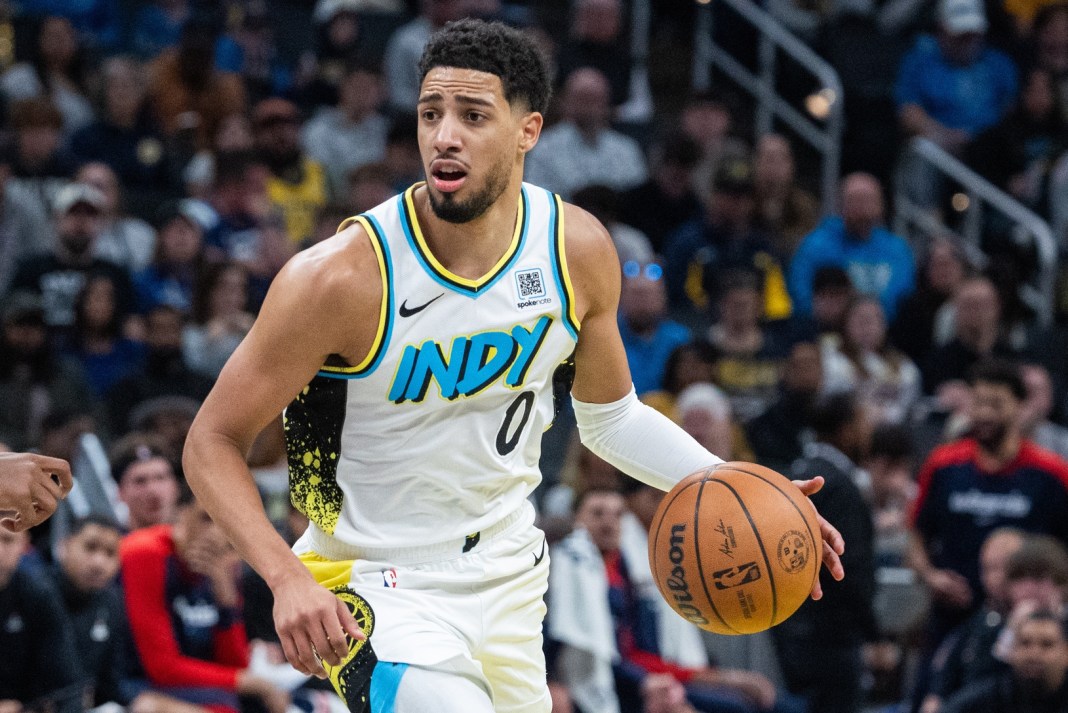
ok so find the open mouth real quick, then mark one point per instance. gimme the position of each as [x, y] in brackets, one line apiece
[448, 178]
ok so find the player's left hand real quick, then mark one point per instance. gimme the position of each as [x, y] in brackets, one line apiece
[833, 544]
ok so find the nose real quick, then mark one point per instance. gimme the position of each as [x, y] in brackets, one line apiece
[447, 135]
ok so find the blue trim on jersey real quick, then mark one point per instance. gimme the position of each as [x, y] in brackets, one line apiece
[472, 292]
[554, 258]
[380, 236]
[385, 680]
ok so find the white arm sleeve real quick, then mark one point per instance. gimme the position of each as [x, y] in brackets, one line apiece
[640, 441]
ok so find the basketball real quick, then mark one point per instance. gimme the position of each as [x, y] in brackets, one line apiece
[735, 548]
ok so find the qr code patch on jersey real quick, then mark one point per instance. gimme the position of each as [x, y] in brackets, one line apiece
[529, 284]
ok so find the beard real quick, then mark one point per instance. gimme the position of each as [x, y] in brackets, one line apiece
[448, 208]
[990, 435]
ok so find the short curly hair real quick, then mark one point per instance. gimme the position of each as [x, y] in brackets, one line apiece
[495, 48]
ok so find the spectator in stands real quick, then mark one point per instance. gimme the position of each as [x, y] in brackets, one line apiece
[188, 96]
[784, 209]
[97, 341]
[667, 199]
[1049, 41]
[943, 270]
[298, 185]
[60, 275]
[1038, 680]
[704, 411]
[879, 262]
[750, 353]
[1037, 409]
[402, 154]
[54, 73]
[33, 379]
[1018, 571]
[249, 50]
[165, 373]
[582, 148]
[405, 47]
[886, 381]
[820, 645]
[368, 186]
[143, 467]
[725, 238]
[890, 462]
[337, 43]
[220, 318]
[85, 575]
[126, 137]
[42, 166]
[977, 334]
[177, 261]
[123, 240]
[709, 120]
[1017, 153]
[351, 134]
[40, 668]
[601, 607]
[778, 436]
[649, 336]
[605, 204]
[952, 86]
[994, 477]
[233, 138]
[689, 364]
[96, 21]
[24, 226]
[180, 585]
[157, 26]
[598, 39]
[832, 293]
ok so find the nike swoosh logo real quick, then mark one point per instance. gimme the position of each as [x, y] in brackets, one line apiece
[540, 556]
[405, 311]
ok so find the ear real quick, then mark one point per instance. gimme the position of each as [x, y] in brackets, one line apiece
[530, 129]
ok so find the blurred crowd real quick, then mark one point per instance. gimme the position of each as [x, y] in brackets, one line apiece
[160, 161]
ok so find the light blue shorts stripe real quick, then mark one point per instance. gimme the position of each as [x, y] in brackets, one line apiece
[385, 680]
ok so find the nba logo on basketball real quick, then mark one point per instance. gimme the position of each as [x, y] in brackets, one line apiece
[389, 578]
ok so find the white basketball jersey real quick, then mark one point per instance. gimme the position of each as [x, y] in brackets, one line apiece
[437, 434]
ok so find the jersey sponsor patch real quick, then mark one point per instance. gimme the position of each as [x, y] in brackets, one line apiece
[530, 288]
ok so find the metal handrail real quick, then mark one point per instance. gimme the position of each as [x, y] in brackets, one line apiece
[980, 193]
[826, 136]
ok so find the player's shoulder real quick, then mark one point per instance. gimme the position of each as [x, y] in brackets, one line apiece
[343, 265]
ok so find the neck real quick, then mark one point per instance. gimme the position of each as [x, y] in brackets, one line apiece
[1003, 454]
[470, 249]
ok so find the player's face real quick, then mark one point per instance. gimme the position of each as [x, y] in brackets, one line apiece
[471, 141]
[91, 558]
[150, 490]
[1040, 654]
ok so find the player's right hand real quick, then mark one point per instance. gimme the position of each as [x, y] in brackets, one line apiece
[31, 487]
[312, 623]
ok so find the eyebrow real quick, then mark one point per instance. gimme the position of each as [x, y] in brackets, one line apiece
[461, 98]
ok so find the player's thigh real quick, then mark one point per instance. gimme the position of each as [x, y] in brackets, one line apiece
[421, 689]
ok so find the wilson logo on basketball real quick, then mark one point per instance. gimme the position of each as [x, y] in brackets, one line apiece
[736, 576]
[793, 551]
[676, 581]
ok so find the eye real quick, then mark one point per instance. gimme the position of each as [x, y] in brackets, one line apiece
[474, 116]
[429, 115]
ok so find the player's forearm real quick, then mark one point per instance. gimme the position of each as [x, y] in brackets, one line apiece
[216, 470]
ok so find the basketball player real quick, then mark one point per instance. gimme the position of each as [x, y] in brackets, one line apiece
[31, 487]
[414, 354]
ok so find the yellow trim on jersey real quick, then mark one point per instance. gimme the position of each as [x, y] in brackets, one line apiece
[383, 312]
[420, 240]
[572, 316]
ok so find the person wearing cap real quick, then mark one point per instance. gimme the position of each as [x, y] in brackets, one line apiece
[725, 238]
[952, 86]
[879, 263]
[60, 275]
[298, 186]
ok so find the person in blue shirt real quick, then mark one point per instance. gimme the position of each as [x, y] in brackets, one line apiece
[879, 263]
[952, 86]
[648, 336]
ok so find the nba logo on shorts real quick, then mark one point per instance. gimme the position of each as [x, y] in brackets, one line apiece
[389, 578]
